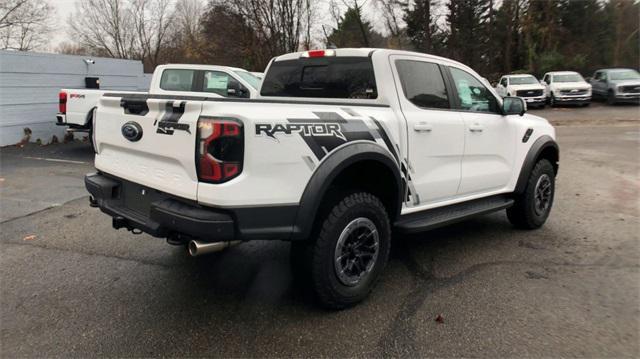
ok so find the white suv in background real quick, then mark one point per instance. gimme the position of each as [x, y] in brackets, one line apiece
[566, 87]
[525, 86]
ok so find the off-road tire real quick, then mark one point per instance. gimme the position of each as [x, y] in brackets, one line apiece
[523, 213]
[329, 290]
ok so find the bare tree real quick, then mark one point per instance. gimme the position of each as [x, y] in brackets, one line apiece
[392, 11]
[151, 20]
[188, 15]
[127, 29]
[24, 24]
[279, 24]
[105, 26]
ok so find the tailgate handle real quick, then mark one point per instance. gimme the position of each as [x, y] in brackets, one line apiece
[134, 106]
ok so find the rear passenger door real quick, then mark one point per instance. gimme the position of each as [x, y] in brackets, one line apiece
[489, 137]
[435, 134]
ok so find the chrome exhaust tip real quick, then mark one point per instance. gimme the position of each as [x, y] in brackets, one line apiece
[198, 248]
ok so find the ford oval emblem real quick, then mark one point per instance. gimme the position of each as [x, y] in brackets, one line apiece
[132, 131]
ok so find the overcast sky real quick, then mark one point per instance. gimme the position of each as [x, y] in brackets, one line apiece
[64, 8]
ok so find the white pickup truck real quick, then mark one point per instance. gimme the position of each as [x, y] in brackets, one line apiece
[566, 88]
[76, 105]
[522, 85]
[342, 147]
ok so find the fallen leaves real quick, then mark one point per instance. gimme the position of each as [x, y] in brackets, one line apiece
[29, 237]
[439, 319]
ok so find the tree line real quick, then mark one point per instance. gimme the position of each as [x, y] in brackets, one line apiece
[492, 36]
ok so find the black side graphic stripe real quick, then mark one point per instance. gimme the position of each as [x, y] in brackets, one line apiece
[386, 139]
[169, 121]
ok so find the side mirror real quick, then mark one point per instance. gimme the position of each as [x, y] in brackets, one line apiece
[513, 106]
[543, 82]
[234, 89]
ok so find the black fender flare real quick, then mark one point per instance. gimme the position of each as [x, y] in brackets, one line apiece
[329, 169]
[89, 117]
[541, 144]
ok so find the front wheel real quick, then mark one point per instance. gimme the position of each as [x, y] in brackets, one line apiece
[350, 251]
[552, 100]
[611, 98]
[531, 209]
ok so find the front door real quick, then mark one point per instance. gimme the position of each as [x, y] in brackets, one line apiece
[435, 133]
[489, 137]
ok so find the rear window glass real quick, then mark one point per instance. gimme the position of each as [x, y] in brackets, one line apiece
[326, 77]
[176, 80]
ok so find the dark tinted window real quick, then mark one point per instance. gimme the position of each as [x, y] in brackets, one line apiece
[176, 80]
[422, 83]
[326, 77]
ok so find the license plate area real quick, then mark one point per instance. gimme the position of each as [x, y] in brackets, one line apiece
[138, 198]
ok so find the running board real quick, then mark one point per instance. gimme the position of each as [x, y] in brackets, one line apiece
[442, 216]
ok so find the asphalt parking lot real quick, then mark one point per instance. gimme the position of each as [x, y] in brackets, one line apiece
[73, 286]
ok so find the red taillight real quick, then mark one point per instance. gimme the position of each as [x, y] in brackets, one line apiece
[220, 149]
[62, 102]
[316, 53]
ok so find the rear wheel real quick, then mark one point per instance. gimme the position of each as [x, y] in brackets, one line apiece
[532, 207]
[350, 251]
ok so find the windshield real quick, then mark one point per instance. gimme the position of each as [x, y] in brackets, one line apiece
[625, 75]
[250, 78]
[523, 80]
[568, 78]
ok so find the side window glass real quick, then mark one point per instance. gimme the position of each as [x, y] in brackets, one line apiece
[597, 75]
[422, 84]
[546, 78]
[503, 82]
[604, 76]
[216, 82]
[176, 80]
[474, 96]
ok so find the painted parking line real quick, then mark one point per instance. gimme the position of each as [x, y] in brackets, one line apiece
[57, 160]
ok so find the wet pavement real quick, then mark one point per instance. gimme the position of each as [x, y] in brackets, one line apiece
[73, 286]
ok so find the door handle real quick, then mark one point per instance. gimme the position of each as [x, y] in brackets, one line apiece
[476, 127]
[422, 127]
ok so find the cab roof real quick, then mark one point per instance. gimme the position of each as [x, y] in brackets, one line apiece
[199, 67]
[562, 73]
[617, 69]
[364, 52]
[519, 75]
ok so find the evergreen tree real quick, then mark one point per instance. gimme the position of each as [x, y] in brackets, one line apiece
[354, 31]
[420, 25]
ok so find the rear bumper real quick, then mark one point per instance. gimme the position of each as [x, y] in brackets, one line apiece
[61, 120]
[165, 215]
[159, 214]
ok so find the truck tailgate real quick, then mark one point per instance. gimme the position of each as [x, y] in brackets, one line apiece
[149, 141]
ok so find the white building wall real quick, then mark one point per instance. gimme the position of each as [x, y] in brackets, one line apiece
[30, 82]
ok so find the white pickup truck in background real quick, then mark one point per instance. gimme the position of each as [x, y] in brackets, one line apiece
[522, 85]
[76, 105]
